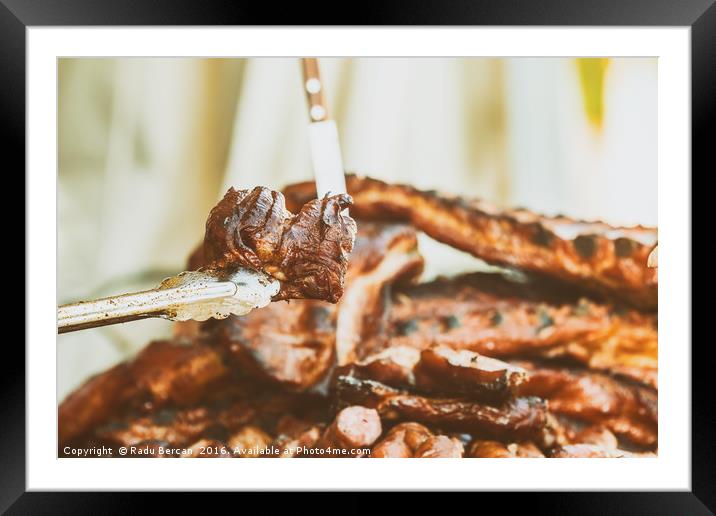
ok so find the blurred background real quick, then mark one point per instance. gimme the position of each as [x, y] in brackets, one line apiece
[148, 146]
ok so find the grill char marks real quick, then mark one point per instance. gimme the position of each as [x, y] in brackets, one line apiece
[441, 370]
[296, 343]
[290, 344]
[521, 418]
[180, 427]
[593, 255]
[628, 411]
[496, 317]
[287, 343]
[165, 372]
[467, 373]
[406, 369]
[308, 252]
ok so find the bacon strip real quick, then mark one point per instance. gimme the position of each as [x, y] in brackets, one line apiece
[442, 370]
[493, 316]
[593, 255]
[521, 418]
[628, 411]
[178, 427]
[164, 372]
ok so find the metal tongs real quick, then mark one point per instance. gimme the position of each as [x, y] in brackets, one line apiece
[202, 294]
[196, 295]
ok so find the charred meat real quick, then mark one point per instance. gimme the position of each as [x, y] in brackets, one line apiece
[517, 418]
[593, 255]
[628, 411]
[295, 344]
[556, 360]
[307, 252]
[497, 317]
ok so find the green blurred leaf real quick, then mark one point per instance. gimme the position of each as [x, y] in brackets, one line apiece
[592, 72]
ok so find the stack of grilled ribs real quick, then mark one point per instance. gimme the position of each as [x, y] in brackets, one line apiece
[554, 357]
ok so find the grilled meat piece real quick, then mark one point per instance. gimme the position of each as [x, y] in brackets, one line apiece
[520, 418]
[467, 373]
[588, 451]
[245, 417]
[178, 428]
[385, 254]
[494, 316]
[404, 355]
[401, 441]
[307, 252]
[628, 411]
[94, 402]
[524, 418]
[353, 429]
[498, 450]
[393, 366]
[249, 442]
[597, 435]
[287, 343]
[293, 343]
[295, 436]
[593, 255]
[595, 441]
[440, 447]
[165, 372]
[413, 440]
[441, 370]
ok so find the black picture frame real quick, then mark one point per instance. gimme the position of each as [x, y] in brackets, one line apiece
[700, 15]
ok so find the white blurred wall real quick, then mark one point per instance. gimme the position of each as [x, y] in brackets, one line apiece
[560, 163]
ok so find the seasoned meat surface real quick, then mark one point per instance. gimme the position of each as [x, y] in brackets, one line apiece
[498, 450]
[287, 343]
[296, 343]
[465, 372]
[353, 429]
[537, 363]
[628, 411]
[413, 440]
[517, 418]
[593, 255]
[165, 372]
[587, 451]
[440, 447]
[308, 252]
[497, 317]
[442, 370]
[401, 441]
